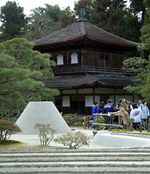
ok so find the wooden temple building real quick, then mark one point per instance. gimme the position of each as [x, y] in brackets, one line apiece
[88, 66]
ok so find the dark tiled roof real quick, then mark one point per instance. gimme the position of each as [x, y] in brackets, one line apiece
[79, 80]
[81, 30]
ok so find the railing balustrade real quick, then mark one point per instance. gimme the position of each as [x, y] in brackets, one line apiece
[89, 69]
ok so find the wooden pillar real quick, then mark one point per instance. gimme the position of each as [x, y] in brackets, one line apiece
[114, 96]
[82, 57]
[93, 95]
[67, 57]
[61, 96]
[70, 103]
[76, 91]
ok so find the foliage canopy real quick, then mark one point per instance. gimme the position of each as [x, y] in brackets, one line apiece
[141, 82]
[45, 20]
[22, 70]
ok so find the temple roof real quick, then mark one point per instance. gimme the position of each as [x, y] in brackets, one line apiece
[86, 80]
[81, 30]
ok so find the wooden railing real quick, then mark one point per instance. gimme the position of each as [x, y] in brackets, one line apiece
[59, 70]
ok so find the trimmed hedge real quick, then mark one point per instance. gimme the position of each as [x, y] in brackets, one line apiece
[73, 119]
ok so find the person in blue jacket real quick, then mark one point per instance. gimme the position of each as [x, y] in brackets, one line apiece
[107, 109]
[95, 110]
[144, 114]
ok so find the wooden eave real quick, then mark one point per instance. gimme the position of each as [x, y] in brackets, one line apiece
[87, 80]
[77, 42]
[60, 43]
[80, 31]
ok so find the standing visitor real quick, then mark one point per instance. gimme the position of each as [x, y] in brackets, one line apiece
[125, 117]
[125, 105]
[107, 109]
[130, 106]
[118, 106]
[139, 103]
[95, 111]
[135, 115]
[144, 113]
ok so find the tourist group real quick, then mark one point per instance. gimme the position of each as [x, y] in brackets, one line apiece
[134, 116]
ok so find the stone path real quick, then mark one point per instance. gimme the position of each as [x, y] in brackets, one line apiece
[115, 161]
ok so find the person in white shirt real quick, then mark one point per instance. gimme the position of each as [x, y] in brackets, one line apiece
[130, 106]
[135, 115]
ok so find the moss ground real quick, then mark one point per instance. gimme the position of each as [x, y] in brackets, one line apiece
[129, 131]
[11, 144]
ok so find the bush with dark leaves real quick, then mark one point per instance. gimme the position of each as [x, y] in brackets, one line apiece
[7, 128]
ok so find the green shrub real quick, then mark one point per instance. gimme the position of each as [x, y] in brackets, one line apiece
[73, 119]
[73, 140]
[7, 128]
[46, 133]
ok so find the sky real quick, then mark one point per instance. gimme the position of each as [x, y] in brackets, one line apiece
[31, 4]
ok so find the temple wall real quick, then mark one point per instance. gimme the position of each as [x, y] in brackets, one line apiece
[85, 91]
[72, 91]
[104, 90]
[85, 98]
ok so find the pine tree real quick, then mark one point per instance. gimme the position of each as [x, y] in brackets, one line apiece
[21, 72]
[146, 46]
[13, 21]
